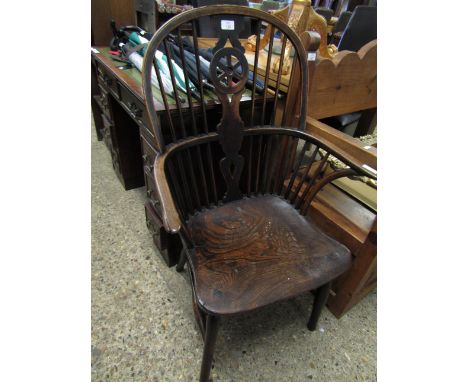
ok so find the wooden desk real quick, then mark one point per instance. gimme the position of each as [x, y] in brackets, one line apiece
[122, 122]
[349, 221]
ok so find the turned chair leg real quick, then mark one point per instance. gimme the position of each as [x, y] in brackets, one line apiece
[211, 330]
[182, 260]
[321, 297]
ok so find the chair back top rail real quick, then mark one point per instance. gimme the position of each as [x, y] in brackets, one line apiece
[228, 64]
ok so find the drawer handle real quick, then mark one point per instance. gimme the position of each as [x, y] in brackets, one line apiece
[107, 80]
[135, 110]
[147, 162]
[155, 202]
[149, 193]
[150, 168]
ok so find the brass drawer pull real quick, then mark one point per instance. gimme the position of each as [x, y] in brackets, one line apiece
[135, 110]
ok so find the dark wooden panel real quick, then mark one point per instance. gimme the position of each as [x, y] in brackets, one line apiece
[127, 136]
[103, 11]
[100, 19]
[168, 245]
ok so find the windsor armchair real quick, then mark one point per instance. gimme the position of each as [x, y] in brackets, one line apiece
[247, 241]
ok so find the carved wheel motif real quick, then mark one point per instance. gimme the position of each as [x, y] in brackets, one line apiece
[229, 70]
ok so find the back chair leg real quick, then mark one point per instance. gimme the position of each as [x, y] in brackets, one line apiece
[321, 297]
[182, 260]
[211, 331]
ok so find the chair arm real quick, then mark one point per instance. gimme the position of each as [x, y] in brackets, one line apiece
[361, 165]
[170, 215]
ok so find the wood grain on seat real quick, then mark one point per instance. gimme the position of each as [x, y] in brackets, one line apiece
[255, 251]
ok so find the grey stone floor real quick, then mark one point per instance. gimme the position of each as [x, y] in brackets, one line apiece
[143, 328]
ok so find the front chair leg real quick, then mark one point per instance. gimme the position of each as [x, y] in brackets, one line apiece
[211, 330]
[321, 297]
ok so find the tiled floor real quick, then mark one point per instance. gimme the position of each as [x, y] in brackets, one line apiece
[143, 328]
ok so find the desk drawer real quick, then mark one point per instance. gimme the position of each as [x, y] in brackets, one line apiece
[135, 108]
[169, 246]
[103, 103]
[151, 193]
[148, 153]
[106, 131]
[155, 226]
[108, 81]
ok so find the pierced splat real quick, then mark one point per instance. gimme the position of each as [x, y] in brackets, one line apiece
[229, 70]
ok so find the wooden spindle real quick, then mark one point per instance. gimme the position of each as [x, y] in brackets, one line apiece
[311, 180]
[303, 177]
[176, 91]
[166, 104]
[267, 73]
[254, 89]
[296, 170]
[203, 107]
[278, 79]
[322, 183]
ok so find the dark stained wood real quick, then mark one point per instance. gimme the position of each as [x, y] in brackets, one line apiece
[103, 11]
[96, 109]
[189, 16]
[255, 247]
[117, 92]
[170, 212]
[255, 251]
[321, 296]
[101, 32]
[211, 332]
[231, 125]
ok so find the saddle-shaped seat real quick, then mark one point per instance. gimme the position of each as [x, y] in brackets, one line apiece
[255, 251]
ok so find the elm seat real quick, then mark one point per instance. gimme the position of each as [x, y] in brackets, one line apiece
[255, 251]
[242, 253]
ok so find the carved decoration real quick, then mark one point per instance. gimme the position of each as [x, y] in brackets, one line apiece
[318, 24]
[300, 16]
[229, 70]
[251, 43]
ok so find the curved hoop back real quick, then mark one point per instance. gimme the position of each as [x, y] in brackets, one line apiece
[228, 73]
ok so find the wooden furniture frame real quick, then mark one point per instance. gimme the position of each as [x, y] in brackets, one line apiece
[246, 240]
[103, 11]
[348, 221]
[344, 84]
[300, 16]
[122, 122]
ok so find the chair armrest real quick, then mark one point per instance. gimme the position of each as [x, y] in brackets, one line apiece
[170, 215]
[363, 164]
